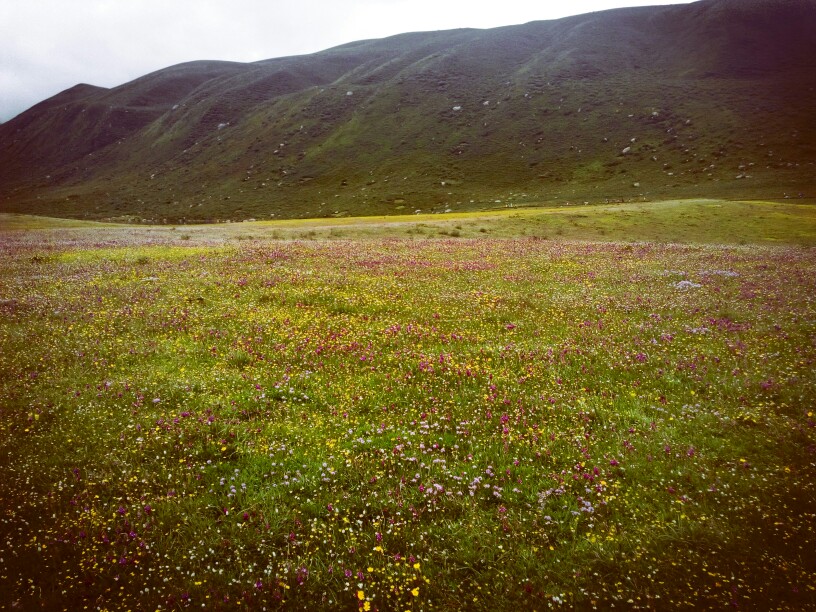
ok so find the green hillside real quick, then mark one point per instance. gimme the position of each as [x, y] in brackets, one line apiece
[711, 99]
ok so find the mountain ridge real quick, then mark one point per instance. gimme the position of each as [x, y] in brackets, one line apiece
[712, 97]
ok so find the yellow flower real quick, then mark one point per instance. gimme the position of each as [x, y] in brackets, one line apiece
[360, 595]
[415, 592]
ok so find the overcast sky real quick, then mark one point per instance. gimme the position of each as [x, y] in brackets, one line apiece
[47, 46]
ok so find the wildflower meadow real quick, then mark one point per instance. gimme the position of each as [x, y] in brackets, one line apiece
[412, 424]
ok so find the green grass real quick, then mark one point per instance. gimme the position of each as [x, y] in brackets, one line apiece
[411, 420]
[695, 221]
[10, 222]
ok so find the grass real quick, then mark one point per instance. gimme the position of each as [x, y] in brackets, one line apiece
[695, 221]
[380, 420]
[10, 222]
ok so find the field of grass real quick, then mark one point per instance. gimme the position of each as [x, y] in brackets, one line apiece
[414, 414]
[679, 221]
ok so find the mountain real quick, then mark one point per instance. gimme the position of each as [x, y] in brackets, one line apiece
[713, 98]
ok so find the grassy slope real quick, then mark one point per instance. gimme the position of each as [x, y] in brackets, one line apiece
[706, 95]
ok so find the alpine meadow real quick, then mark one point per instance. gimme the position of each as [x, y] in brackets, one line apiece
[508, 319]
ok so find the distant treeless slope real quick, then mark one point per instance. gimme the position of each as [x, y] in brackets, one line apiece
[713, 98]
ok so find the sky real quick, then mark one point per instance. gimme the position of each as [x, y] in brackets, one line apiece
[47, 46]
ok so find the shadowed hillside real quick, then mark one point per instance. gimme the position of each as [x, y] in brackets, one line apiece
[713, 98]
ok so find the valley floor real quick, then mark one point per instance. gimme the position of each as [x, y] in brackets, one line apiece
[572, 408]
[787, 222]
